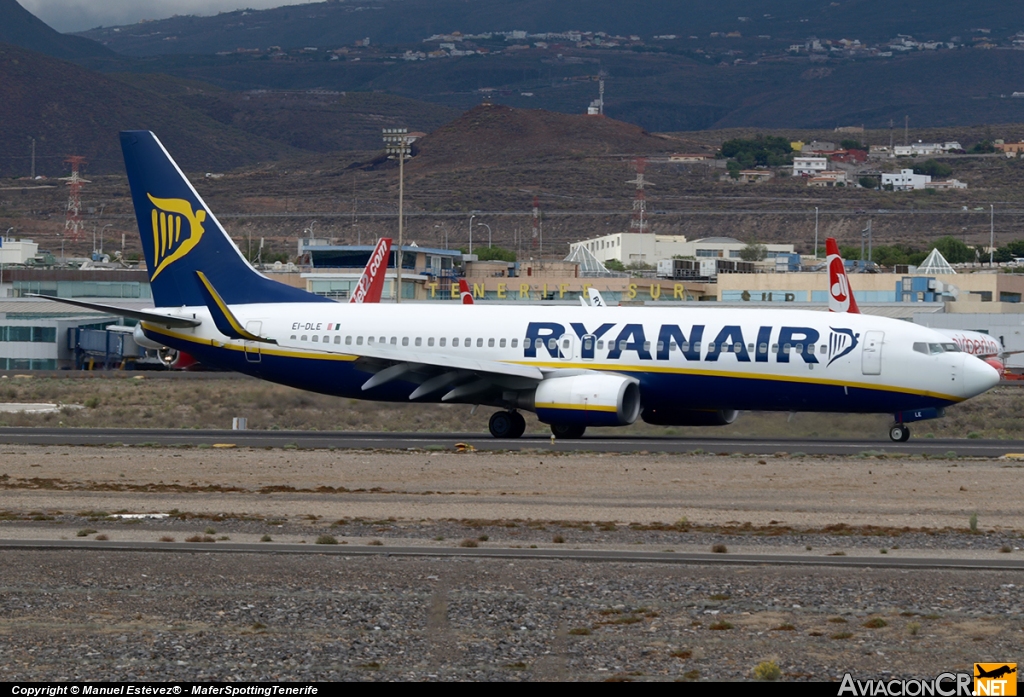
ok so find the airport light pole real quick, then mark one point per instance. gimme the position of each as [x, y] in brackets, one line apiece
[991, 232]
[445, 231]
[397, 145]
[488, 233]
[815, 232]
[102, 231]
[471, 232]
[8, 236]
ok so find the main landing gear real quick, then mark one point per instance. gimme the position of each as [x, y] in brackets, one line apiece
[899, 433]
[507, 424]
[567, 430]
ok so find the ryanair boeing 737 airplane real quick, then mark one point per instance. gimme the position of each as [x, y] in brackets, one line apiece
[572, 367]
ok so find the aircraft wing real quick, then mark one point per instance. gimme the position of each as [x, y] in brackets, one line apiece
[143, 315]
[463, 378]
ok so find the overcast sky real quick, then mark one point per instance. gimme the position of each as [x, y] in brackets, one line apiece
[78, 15]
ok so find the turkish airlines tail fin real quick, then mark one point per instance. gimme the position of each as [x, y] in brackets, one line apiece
[467, 297]
[371, 283]
[840, 295]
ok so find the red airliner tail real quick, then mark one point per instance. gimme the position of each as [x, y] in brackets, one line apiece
[371, 283]
[840, 295]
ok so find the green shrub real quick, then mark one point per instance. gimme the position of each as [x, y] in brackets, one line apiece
[767, 670]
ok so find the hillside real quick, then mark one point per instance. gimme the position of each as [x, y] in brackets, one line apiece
[491, 136]
[81, 112]
[675, 65]
[390, 22]
[21, 28]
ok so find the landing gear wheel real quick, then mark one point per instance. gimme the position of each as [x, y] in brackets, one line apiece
[899, 433]
[502, 424]
[519, 424]
[567, 430]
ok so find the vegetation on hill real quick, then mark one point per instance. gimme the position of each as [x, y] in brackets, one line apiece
[933, 168]
[491, 253]
[766, 151]
[953, 250]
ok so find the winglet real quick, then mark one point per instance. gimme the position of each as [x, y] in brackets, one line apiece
[467, 297]
[840, 295]
[227, 323]
[371, 283]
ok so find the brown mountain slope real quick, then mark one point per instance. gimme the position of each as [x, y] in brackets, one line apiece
[71, 110]
[495, 135]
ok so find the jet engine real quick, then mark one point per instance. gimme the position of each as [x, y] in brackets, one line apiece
[175, 359]
[591, 399]
[143, 341]
[690, 417]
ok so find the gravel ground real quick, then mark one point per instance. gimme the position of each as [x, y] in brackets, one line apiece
[196, 617]
[84, 614]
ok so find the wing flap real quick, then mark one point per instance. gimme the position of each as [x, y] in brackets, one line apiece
[445, 362]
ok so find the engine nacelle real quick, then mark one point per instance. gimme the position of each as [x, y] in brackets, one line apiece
[588, 400]
[144, 341]
[690, 417]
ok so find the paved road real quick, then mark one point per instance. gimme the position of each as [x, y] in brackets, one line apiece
[567, 554]
[482, 441]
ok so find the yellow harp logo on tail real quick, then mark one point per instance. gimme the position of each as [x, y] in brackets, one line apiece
[171, 239]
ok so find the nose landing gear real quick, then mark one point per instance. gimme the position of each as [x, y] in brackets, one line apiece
[507, 424]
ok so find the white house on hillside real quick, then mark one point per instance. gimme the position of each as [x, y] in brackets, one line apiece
[809, 166]
[906, 180]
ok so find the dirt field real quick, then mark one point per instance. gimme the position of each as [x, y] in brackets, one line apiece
[152, 401]
[802, 493]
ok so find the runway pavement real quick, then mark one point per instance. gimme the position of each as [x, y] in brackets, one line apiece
[562, 554]
[482, 441]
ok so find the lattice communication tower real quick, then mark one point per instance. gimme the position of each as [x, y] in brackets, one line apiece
[639, 223]
[536, 223]
[73, 223]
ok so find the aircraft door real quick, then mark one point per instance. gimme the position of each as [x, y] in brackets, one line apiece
[567, 347]
[587, 343]
[871, 354]
[252, 348]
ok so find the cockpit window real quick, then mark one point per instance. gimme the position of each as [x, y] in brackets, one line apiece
[935, 349]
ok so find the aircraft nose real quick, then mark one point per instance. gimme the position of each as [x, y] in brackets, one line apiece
[979, 376]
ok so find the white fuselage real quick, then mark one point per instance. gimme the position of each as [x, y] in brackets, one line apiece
[681, 356]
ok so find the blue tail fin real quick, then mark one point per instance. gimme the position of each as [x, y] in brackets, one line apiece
[180, 235]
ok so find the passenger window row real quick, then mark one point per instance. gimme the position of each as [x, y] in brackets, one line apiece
[552, 344]
[408, 341]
